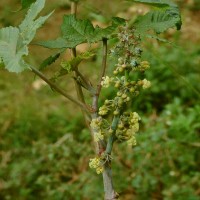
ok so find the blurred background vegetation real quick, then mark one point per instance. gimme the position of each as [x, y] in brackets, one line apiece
[45, 146]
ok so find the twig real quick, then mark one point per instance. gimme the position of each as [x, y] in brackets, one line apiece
[57, 89]
[87, 84]
[103, 69]
[77, 85]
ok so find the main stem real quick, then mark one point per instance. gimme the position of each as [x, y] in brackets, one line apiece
[110, 193]
[107, 174]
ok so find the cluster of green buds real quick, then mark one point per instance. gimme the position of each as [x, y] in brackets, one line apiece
[127, 127]
[124, 125]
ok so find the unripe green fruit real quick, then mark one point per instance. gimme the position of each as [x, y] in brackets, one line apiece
[120, 60]
[121, 69]
[115, 72]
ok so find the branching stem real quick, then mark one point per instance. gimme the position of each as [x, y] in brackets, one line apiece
[79, 90]
[58, 89]
[103, 69]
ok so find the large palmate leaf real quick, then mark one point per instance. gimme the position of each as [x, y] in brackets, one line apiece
[9, 51]
[76, 31]
[30, 24]
[166, 16]
[14, 41]
[159, 21]
[59, 43]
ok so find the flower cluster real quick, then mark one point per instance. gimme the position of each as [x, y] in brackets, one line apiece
[124, 129]
[96, 163]
[128, 126]
[146, 84]
[96, 128]
[106, 81]
[128, 51]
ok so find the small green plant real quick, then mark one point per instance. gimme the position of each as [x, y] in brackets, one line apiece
[112, 121]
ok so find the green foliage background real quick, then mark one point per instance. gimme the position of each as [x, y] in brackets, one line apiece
[45, 147]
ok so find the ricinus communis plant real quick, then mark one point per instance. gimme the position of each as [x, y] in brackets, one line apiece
[112, 122]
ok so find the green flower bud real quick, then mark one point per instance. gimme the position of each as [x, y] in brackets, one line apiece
[116, 112]
[120, 126]
[132, 89]
[124, 66]
[115, 72]
[128, 99]
[107, 101]
[121, 69]
[124, 96]
[119, 94]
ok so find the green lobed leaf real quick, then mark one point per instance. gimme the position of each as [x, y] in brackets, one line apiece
[76, 31]
[58, 43]
[167, 16]
[30, 24]
[26, 3]
[159, 21]
[106, 32]
[157, 3]
[14, 41]
[9, 52]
